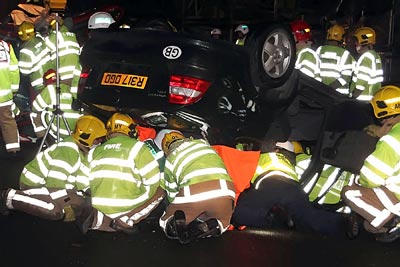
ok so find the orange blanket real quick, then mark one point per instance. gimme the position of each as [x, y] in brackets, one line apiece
[241, 165]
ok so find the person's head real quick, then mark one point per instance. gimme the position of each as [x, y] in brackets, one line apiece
[121, 124]
[301, 31]
[43, 24]
[365, 38]
[386, 104]
[100, 20]
[336, 34]
[216, 33]
[89, 131]
[169, 138]
[286, 149]
[26, 31]
[242, 30]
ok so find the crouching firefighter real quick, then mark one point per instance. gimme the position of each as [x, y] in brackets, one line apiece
[124, 181]
[273, 197]
[56, 180]
[198, 187]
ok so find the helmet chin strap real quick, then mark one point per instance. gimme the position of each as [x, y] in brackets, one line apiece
[133, 133]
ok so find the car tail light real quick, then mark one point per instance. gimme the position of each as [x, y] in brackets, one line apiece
[82, 80]
[186, 90]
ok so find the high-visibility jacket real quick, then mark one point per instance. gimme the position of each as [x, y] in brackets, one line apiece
[318, 186]
[368, 75]
[47, 99]
[39, 55]
[308, 62]
[271, 164]
[246, 167]
[63, 165]
[124, 174]
[336, 64]
[9, 74]
[240, 41]
[193, 162]
[35, 59]
[382, 167]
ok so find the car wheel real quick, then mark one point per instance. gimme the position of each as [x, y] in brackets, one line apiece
[272, 55]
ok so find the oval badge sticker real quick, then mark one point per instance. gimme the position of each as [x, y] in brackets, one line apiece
[172, 52]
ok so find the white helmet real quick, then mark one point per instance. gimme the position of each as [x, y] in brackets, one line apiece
[286, 145]
[242, 28]
[216, 31]
[100, 20]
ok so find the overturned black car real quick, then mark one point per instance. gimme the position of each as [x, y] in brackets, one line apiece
[183, 81]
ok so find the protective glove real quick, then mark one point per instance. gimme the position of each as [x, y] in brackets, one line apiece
[69, 214]
[378, 131]
[49, 77]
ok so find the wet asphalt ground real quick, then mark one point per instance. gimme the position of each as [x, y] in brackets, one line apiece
[29, 241]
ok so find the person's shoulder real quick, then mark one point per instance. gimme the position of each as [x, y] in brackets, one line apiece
[395, 130]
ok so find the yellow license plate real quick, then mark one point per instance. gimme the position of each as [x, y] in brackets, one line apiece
[125, 80]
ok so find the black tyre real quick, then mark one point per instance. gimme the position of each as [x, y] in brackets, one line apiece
[272, 55]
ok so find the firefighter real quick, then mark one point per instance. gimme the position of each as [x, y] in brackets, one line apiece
[241, 30]
[330, 182]
[200, 192]
[375, 196]
[274, 198]
[368, 73]
[38, 60]
[26, 31]
[9, 84]
[307, 59]
[216, 33]
[58, 176]
[124, 181]
[337, 63]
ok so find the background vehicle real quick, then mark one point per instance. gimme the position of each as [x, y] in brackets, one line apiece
[76, 20]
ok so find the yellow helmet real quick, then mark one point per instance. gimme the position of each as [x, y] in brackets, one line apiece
[26, 31]
[169, 138]
[386, 101]
[335, 33]
[87, 129]
[365, 35]
[122, 123]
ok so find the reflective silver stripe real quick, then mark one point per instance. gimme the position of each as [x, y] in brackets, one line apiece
[143, 212]
[58, 194]
[100, 217]
[354, 197]
[205, 171]
[272, 173]
[34, 202]
[387, 203]
[114, 202]
[223, 191]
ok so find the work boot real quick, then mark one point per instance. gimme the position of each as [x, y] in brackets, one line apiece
[130, 230]
[181, 228]
[170, 228]
[390, 236]
[202, 229]
[85, 219]
[3, 202]
[352, 226]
